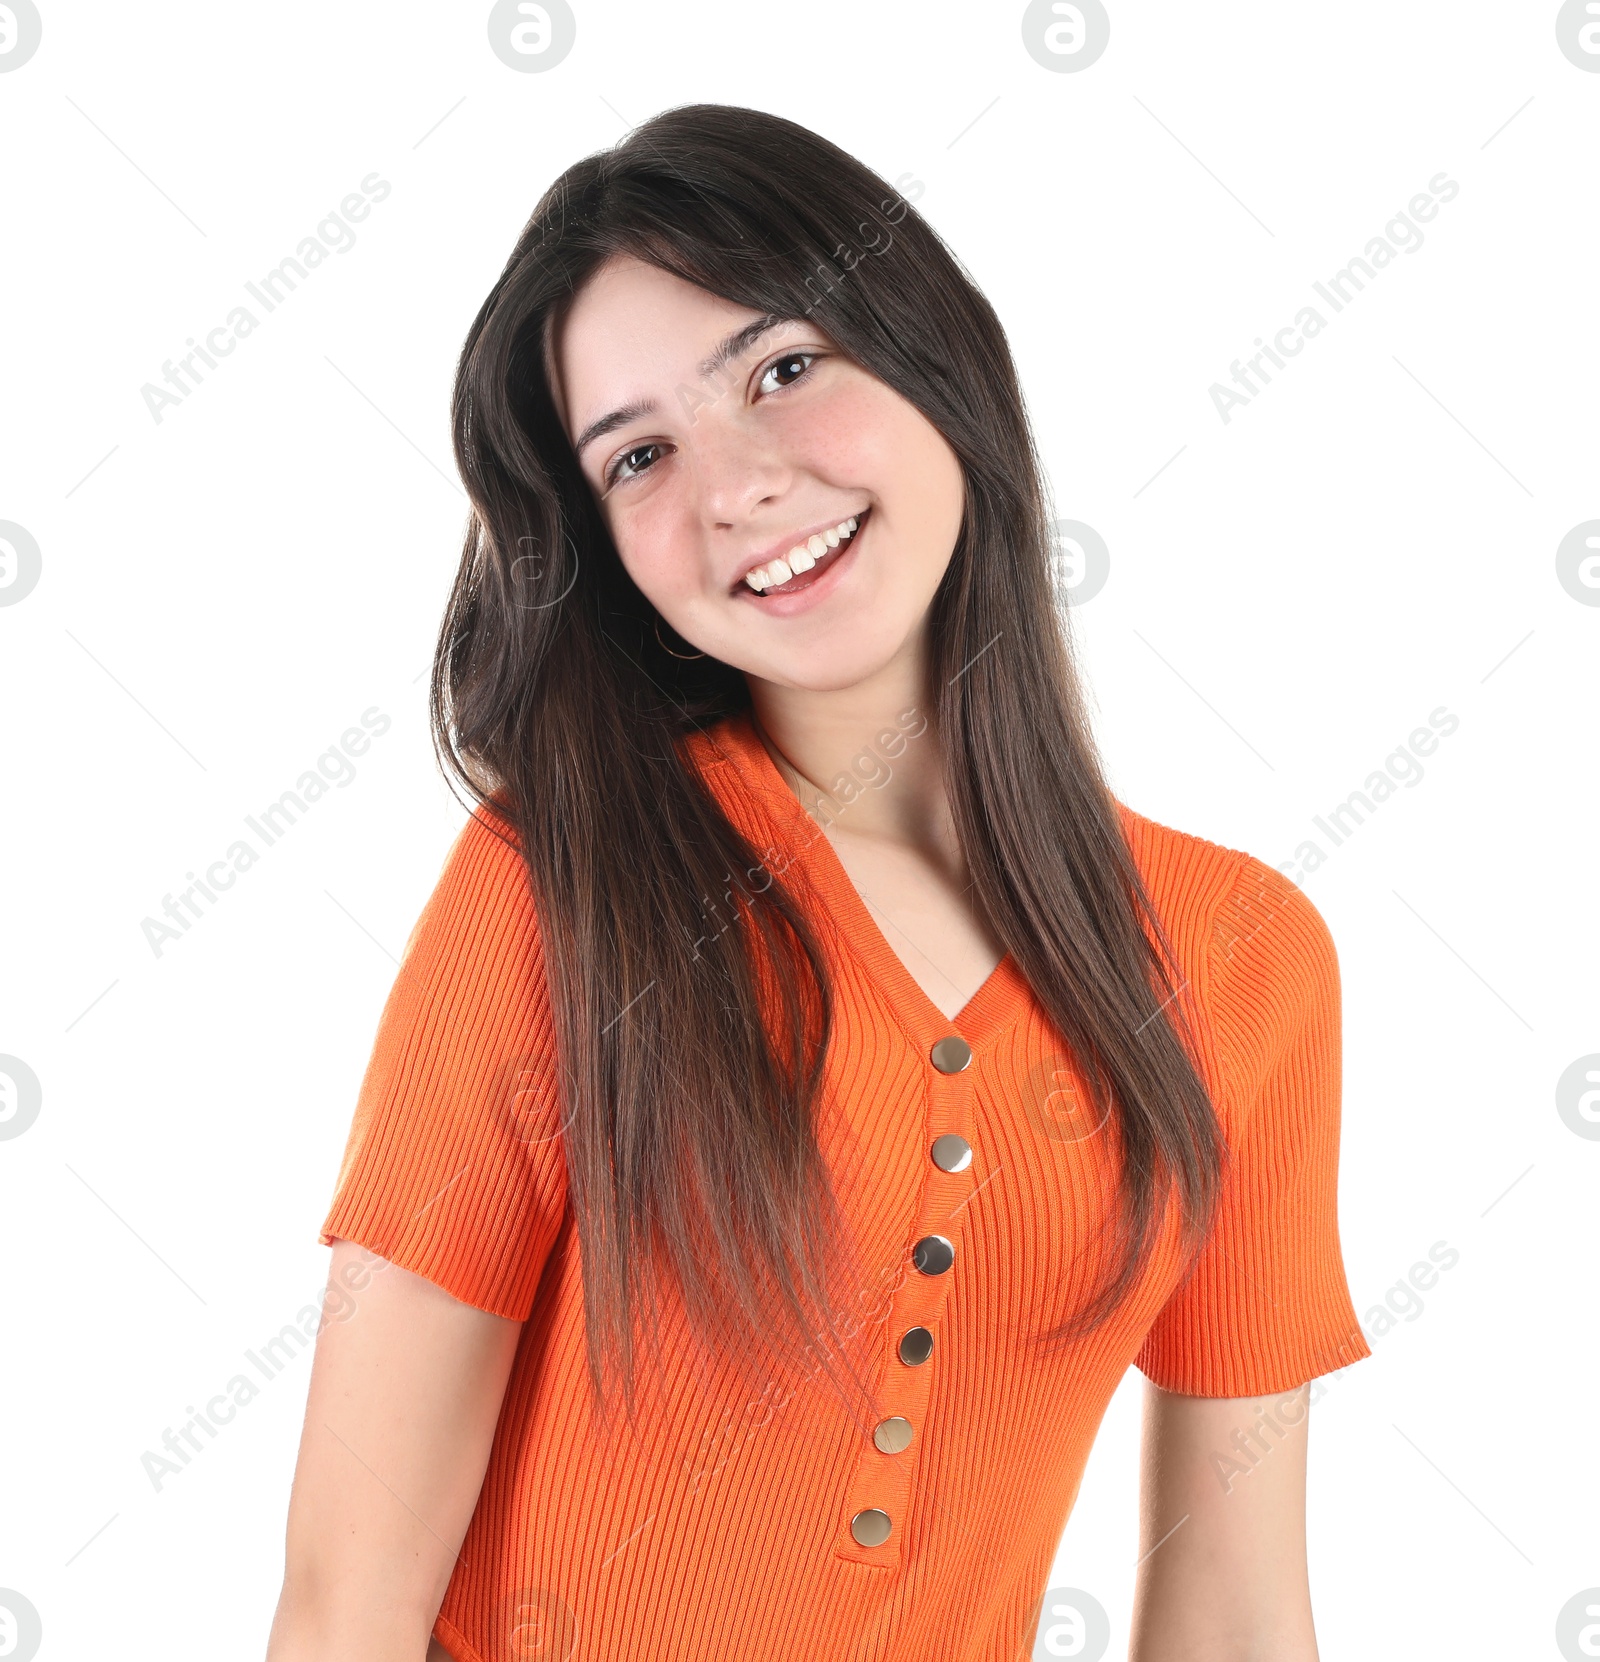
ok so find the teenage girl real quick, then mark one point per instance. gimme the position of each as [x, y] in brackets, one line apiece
[801, 1036]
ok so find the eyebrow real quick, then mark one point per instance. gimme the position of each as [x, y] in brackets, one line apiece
[727, 350]
[740, 341]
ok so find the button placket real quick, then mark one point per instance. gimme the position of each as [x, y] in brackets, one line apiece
[881, 1491]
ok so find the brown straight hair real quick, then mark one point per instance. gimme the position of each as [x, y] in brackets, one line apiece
[689, 1060]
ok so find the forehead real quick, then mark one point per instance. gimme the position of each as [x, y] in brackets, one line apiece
[633, 331]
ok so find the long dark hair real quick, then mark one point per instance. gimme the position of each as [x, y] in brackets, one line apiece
[687, 1079]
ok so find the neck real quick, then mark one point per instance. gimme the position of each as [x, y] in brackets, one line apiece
[864, 759]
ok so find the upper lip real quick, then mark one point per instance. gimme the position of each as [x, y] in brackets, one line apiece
[780, 550]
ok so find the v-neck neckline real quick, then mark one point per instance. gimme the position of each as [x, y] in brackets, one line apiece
[991, 1008]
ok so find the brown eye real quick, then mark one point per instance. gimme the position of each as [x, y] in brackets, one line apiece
[628, 465]
[788, 369]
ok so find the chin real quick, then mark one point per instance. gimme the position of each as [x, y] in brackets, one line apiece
[834, 666]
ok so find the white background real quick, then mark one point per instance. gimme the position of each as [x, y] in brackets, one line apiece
[1290, 594]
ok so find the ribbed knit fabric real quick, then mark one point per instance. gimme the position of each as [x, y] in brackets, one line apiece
[721, 1531]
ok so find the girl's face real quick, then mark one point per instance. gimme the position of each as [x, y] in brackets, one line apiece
[718, 441]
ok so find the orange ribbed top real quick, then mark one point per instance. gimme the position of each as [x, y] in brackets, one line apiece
[721, 1529]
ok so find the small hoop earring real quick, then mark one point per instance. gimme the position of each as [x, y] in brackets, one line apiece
[668, 650]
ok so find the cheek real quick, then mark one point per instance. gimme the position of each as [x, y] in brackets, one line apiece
[842, 437]
[653, 541]
[868, 436]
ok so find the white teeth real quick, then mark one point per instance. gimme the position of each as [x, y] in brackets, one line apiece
[802, 557]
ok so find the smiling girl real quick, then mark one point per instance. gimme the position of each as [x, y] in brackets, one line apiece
[800, 1035]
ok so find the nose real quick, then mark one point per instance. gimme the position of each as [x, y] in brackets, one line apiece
[736, 470]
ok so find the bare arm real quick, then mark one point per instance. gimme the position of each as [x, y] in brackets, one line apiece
[405, 1391]
[1222, 1570]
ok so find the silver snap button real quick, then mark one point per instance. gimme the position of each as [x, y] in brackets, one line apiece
[951, 1055]
[951, 1153]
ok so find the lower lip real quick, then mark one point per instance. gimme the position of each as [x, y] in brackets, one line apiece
[793, 601]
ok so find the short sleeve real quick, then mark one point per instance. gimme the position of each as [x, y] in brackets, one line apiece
[454, 1166]
[1267, 1306]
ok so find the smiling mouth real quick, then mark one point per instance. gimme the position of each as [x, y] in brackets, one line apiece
[791, 576]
